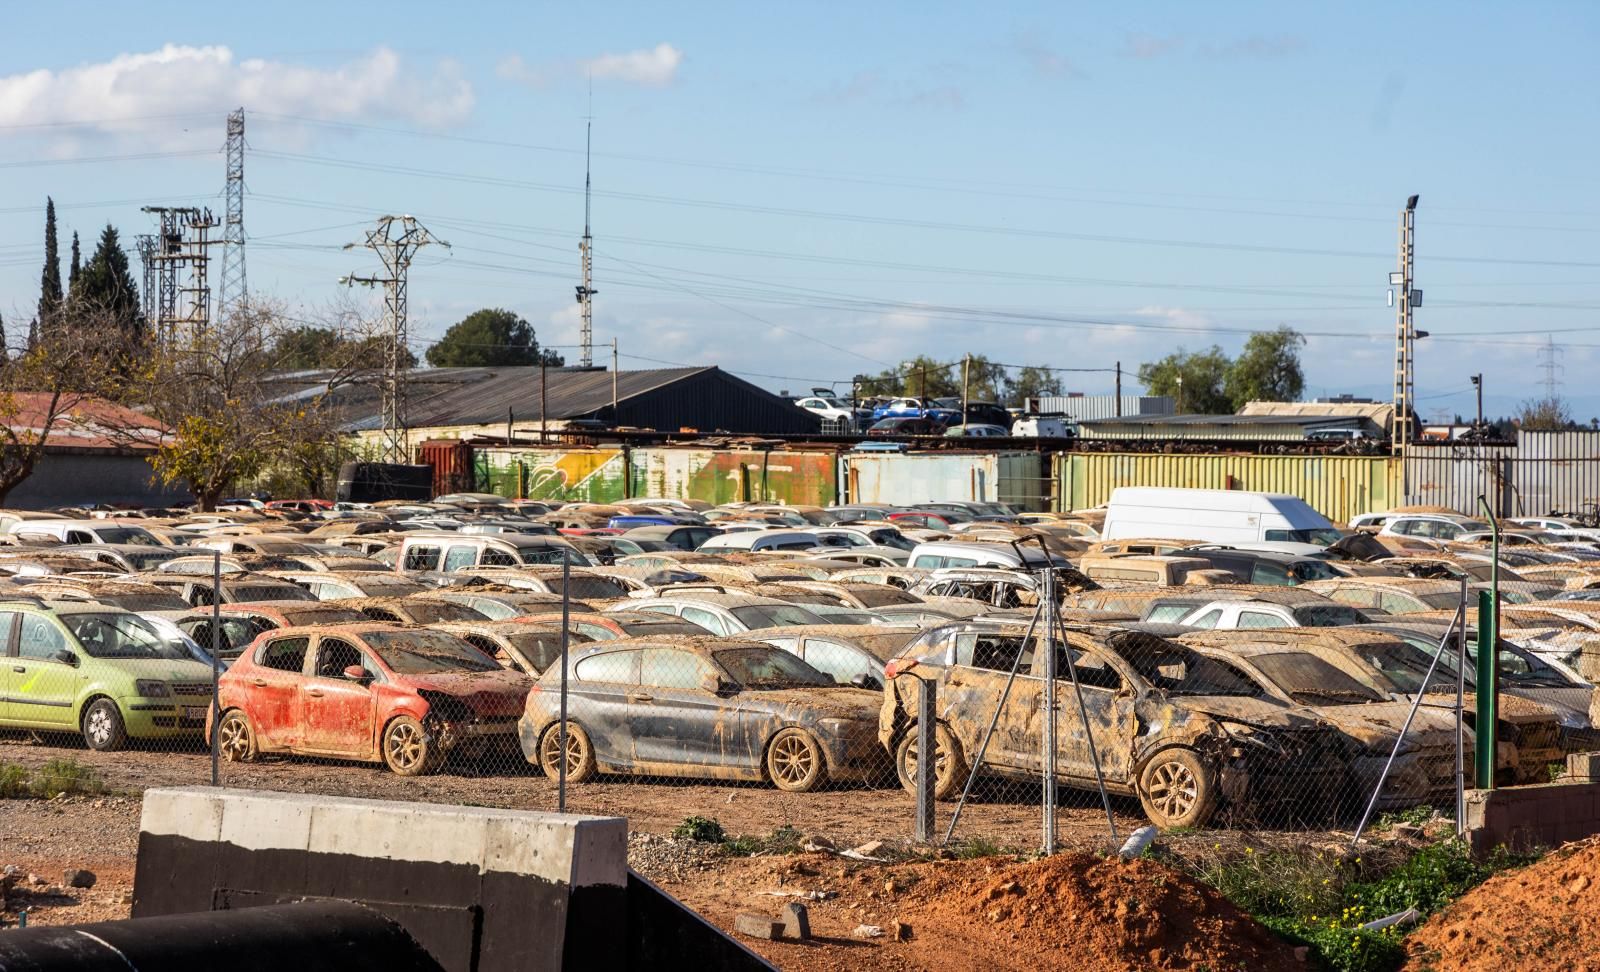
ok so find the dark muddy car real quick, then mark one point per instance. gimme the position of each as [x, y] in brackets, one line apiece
[701, 707]
[1179, 731]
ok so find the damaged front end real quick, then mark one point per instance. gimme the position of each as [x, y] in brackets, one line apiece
[452, 723]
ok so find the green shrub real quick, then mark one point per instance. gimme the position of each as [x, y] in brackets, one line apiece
[66, 777]
[1341, 945]
[15, 783]
[704, 829]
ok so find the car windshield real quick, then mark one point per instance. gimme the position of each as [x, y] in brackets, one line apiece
[136, 536]
[598, 588]
[148, 559]
[775, 615]
[1443, 600]
[427, 652]
[892, 538]
[1177, 670]
[1310, 680]
[769, 668]
[269, 592]
[1401, 665]
[552, 555]
[428, 611]
[1321, 536]
[120, 636]
[1328, 616]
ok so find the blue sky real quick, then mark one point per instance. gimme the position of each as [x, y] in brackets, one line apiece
[800, 193]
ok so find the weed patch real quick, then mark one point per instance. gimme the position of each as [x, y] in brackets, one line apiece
[58, 777]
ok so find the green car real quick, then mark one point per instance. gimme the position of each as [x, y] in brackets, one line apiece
[97, 670]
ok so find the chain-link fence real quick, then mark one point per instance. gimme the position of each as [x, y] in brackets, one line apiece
[1064, 722]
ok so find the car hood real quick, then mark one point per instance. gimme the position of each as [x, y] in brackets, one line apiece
[488, 693]
[1376, 724]
[843, 702]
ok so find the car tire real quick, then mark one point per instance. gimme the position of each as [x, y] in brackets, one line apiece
[1177, 789]
[581, 764]
[795, 762]
[103, 728]
[409, 749]
[950, 764]
[236, 739]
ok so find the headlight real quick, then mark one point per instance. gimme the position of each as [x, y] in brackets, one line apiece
[150, 688]
[1573, 719]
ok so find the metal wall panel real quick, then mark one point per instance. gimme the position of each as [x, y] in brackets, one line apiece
[1018, 478]
[1338, 487]
[1084, 408]
[565, 474]
[1544, 472]
[717, 476]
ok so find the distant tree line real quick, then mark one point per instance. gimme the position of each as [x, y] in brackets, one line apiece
[1210, 383]
[987, 381]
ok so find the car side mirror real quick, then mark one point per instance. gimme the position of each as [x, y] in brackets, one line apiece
[66, 657]
[717, 685]
[356, 673]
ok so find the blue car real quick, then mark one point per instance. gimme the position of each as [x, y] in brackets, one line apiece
[629, 521]
[914, 408]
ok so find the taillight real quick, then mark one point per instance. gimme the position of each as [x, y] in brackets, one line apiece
[898, 665]
[534, 688]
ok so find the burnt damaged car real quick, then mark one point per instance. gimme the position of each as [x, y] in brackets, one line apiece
[370, 691]
[701, 707]
[1181, 732]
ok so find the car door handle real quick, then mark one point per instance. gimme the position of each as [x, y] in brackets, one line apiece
[639, 697]
[314, 693]
[258, 682]
[19, 668]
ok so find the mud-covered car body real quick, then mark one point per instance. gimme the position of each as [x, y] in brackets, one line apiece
[410, 610]
[1144, 697]
[343, 691]
[527, 648]
[850, 654]
[617, 624]
[702, 707]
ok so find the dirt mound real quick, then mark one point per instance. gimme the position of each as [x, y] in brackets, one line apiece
[1080, 912]
[1543, 916]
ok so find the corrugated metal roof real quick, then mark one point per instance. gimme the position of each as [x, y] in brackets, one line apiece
[1378, 413]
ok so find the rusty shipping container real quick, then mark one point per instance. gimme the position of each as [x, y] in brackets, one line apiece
[1338, 487]
[1016, 478]
[735, 475]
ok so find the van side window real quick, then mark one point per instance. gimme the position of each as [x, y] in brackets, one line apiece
[79, 536]
[459, 556]
[1208, 619]
[422, 557]
[497, 558]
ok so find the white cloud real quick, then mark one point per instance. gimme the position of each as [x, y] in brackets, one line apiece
[653, 67]
[1180, 316]
[179, 79]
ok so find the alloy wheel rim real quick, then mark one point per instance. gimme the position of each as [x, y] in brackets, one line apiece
[1174, 789]
[573, 757]
[941, 761]
[235, 740]
[405, 747]
[793, 758]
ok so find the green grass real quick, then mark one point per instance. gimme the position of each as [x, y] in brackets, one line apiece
[58, 777]
[707, 830]
[1321, 899]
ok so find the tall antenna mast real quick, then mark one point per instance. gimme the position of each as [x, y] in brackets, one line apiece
[586, 248]
[235, 293]
[1404, 296]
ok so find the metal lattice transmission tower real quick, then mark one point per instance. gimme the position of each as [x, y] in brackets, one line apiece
[1403, 296]
[1550, 364]
[395, 239]
[146, 245]
[183, 242]
[234, 291]
[586, 290]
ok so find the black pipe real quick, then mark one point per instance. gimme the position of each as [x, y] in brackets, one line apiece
[271, 938]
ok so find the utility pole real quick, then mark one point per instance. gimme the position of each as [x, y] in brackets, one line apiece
[613, 380]
[234, 291]
[395, 239]
[586, 291]
[966, 386]
[1119, 390]
[1477, 384]
[1405, 335]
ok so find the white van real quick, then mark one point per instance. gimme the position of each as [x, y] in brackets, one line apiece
[84, 531]
[1224, 516]
[1043, 427]
[739, 541]
[936, 554]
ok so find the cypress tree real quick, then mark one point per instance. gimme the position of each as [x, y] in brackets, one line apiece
[106, 286]
[50, 279]
[72, 272]
[33, 333]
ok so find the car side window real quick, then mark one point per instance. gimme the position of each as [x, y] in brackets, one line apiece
[705, 619]
[1208, 619]
[459, 556]
[1270, 573]
[1355, 597]
[1396, 603]
[79, 536]
[285, 654]
[8, 622]
[497, 558]
[1259, 619]
[664, 668]
[594, 632]
[422, 557]
[994, 652]
[613, 666]
[40, 638]
[1092, 670]
[334, 656]
[839, 662]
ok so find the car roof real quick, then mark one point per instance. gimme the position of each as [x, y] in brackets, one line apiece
[881, 641]
[728, 599]
[1266, 641]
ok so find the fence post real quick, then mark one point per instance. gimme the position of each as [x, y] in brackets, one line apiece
[561, 726]
[216, 666]
[927, 761]
[1048, 756]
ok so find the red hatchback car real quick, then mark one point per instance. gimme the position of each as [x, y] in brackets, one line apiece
[372, 691]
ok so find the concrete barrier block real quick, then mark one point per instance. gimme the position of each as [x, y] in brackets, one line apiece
[1583, 767]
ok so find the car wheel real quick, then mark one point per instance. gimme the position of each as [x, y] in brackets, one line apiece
[409, 749]
[1177, 789]
[236, 741]
[580, 759]
[950, 768]
[795, 762]
[103, 728]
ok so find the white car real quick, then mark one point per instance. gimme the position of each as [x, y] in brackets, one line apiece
[831, 410]
[1230, 615]
[1431, 526]
[1568, 529]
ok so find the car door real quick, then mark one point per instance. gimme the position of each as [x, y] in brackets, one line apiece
[43, 686]
[1108, 703]
[273, 699]
[674, 720]
[843, 663]
[8, 655]
[713, 623]
[598, 701]
[337, 713]
[972, 689]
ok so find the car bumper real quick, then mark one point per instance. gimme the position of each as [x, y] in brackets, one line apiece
[162, 718]
[1416, 777]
